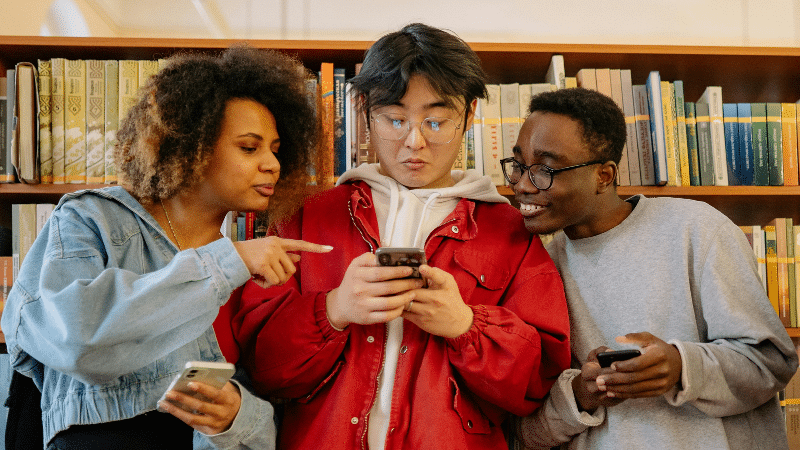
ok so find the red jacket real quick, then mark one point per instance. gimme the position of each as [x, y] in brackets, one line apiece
[448, 393]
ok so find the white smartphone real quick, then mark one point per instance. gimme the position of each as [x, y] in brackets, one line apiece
[214, 374]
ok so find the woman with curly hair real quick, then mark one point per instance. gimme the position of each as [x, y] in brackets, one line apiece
[123, 285]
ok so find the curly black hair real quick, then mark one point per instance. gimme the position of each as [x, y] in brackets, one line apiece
[451, 67]
[168, 136]
[602, 120]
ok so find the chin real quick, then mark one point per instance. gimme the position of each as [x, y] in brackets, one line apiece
[536, 226]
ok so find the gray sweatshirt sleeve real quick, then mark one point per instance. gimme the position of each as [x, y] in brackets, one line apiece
[558, 419]
[746, 356]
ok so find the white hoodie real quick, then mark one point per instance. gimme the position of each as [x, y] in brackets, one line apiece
[406, 218]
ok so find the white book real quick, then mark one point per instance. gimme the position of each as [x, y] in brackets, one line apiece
[43, 211]
[657, 137]
[525, 94]
[712, 96]
[477, 136]
[555, 73]
[509, 117]
[349, 129]
[631, 143]
[492, 135]
[760, 251]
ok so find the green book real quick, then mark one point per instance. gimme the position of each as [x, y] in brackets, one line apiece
[761, 162]
[705, 150]
[691, 144]
[775, 144]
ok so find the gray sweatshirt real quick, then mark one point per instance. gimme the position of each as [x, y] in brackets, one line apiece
[684, 272]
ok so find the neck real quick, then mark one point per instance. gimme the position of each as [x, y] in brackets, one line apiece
[189, 223]
[609, 211]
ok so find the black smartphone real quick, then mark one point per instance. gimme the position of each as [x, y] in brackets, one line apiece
[401, 256]
[606, 358]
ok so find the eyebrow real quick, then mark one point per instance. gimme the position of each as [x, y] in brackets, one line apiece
[259, 137]
[539, 154]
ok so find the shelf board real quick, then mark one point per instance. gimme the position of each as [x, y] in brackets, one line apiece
[793, 332]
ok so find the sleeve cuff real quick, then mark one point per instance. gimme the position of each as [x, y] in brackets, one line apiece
[564, 399]
[480, 316]
[321, 316]
[226, 266]
[254, 425]
[682, 391]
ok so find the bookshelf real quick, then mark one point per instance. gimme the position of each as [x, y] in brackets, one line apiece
[746, 74]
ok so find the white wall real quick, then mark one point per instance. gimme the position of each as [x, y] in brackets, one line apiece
[678, 22]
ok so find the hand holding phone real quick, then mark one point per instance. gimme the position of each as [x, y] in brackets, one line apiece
[215, 374]
[606, 358]
[401, 256]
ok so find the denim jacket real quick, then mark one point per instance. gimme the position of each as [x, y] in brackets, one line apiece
[105, 311]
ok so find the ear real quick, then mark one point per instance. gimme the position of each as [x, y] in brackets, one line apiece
[606, 177]
[470, 116]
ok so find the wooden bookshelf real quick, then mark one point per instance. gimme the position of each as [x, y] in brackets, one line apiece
[746, 74]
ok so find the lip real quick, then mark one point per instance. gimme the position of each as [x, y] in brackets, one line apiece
[414, 164]
[531, 209]
[265, 189]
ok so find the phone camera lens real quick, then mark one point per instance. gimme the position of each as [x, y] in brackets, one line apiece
[385, 260]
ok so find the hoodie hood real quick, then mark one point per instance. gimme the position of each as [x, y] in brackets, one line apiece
[407, 216]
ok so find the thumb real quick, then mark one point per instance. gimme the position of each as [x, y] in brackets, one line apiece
[303, 246]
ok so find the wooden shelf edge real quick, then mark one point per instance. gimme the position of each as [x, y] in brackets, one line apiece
[23, 188]
[695, 191]
[793, 332]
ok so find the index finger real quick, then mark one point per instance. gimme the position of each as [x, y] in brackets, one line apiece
[304, 246]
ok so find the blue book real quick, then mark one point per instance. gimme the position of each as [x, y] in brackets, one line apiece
[339, 131]
[733, 159]
[656, 109]
[745, 144]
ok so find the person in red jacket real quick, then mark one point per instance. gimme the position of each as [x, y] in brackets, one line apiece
[369, 358]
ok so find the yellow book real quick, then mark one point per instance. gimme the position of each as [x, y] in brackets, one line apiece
[45, 141]
[75, 121]
[57, 118]
[771, 255]
[667, 103]
[147, 69]
[128, 85]
[111, 118]
[95, 121]
[789, 143]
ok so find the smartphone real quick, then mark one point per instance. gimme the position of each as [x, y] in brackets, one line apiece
[401, 256]
[214, 374]
[606, 358]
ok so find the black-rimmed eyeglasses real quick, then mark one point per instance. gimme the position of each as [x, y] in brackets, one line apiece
[540, 175]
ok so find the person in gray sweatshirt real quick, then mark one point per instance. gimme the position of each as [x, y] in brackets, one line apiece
[673, 278]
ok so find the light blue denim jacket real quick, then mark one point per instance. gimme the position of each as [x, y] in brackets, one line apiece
[105, 311]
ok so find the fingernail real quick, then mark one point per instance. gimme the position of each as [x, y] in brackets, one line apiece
[610, 394]
[327, 248]
[161, 407]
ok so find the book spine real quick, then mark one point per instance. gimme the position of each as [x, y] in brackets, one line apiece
[624, 176]
[657, 128]
[643, 135]
[668, 106]
[492, 135]
[477, 134]
[775, 144]
[631, 141]
[326, 171]
[704, 145]
[790, 262]
[680, 121]
[555, 73]
[351, 143]
[691, 144]
[26, 156]
[730, 120]
[128, 85]
[509, 117]
[789, 141]
[75, 121]
[6, 166]
[783, 270]
[95, 121]
[111, 119]
[57, 118]
[760, 144]
[587, 78]
[771, 256]
[3, 122]
[745, 143]
[45, 141]
[339, 141]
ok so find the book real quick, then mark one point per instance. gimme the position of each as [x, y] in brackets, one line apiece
[128, 85]
[6, 164]
[614, 86]
[111, 119]
[325, 167]
[761, 160]
[339, 122]
[492, 135]
[730, 119]
[45, 142]
[670, 133]
[95, 121]
[691, 144]
[23, 232]
[712, 96]
[759, 248]
[3, 122]
[643, 135]
[631, 141]
[602, 78]
[7, 278]
[57, 117]
[657, 138]
[705, 151]
[771, 256]
[351, 142]
[25, 136]
[555, 72]
[775, 144]
[509, 117]
[571, 82]
[680, 121]
[147, 68]
[525, 95]
[587, 78]
[477, 136]
[789, 141]
[790, 263]
[790, 401]
[781, 249]
[745, 144]
[75, 121]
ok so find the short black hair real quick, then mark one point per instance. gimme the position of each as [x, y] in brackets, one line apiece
[168, 136]
[602, 120]
[451, 67]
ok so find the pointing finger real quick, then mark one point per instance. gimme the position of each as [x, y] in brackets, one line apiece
[303, 246]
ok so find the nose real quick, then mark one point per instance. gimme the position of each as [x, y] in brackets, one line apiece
[524, 185]
[270, 163]
[414, 138]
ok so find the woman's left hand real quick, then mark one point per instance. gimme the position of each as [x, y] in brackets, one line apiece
[439, 308]
[208, 417]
